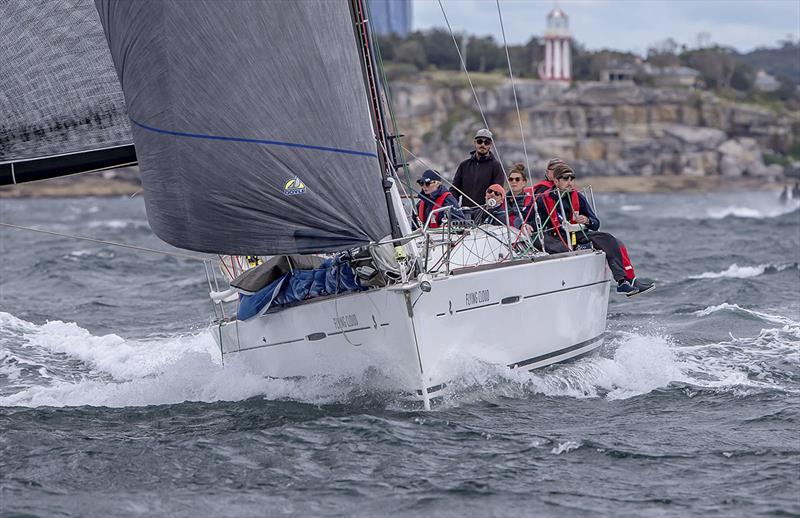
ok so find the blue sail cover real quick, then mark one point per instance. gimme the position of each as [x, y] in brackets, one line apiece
[251, 123]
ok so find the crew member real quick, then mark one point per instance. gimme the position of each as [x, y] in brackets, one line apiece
[577, 210]
[475, 174]
[435, 196]
[549, 181]
[521, 196]
[494, 208]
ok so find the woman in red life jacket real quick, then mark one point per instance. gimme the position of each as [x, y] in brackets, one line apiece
[577, 210]
[435, 196]
[520, 197]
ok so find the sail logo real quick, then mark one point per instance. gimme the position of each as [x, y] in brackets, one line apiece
[294, 186]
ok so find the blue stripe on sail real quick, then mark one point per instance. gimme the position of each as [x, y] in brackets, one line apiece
[256, 141]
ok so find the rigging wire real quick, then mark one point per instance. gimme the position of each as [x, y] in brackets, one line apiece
[444, 180]
[104, 242]
[480, 109]
[390, 101]
[521, 132]
[539, 229]
[513, 88]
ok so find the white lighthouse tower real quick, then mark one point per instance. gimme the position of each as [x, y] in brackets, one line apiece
[557, 64]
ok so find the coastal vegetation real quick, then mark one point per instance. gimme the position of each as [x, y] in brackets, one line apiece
[721, 69]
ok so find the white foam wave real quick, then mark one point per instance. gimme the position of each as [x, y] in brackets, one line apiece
[118, 224]
[738, 211]
[735, 271]
[565, 447]
[631, 208]
[640, 364]
[123, 372]
[775, 319]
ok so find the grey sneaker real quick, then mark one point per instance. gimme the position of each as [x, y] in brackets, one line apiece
[626, 288]
[641, 287]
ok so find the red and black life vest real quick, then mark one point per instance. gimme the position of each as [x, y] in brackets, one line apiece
[550, 205]
[527, 201]
[544, 185]
[422, 209]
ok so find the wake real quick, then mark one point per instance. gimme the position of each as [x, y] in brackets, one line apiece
[61, 364]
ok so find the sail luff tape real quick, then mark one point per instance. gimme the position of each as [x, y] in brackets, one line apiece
[13, 176]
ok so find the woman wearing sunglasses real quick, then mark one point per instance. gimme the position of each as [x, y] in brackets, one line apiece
[435, 196]
[523, 194]
[577, 210]
[494, 208]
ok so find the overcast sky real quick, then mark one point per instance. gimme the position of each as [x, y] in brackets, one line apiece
[631, 25]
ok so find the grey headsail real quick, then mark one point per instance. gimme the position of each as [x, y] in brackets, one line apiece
[61, 103]
[251, 123]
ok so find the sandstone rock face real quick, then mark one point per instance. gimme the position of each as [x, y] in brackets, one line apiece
[601, 129]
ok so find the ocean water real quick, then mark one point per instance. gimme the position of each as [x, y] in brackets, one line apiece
[114, 402]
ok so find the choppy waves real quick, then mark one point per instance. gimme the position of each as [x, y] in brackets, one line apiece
[62, 364]
[766, 317]
[743, 211]
[735, 271]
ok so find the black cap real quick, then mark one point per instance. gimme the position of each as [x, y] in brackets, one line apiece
[431, 175]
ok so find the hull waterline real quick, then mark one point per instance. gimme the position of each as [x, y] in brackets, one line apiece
[527, 314]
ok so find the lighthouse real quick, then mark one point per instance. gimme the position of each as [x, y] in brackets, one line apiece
[557, 64]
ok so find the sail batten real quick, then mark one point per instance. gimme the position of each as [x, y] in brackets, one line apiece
[250, 123]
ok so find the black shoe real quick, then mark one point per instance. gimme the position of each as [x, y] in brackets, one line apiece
[640, 287]
[626, 288]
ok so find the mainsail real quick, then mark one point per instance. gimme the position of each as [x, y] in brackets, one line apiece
[251, 123]
[61, 103]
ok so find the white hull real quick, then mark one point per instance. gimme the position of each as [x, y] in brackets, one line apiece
[524, 315]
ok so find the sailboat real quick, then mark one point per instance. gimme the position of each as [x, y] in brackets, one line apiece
[261, 132]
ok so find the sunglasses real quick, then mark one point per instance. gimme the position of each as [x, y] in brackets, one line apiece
[567, 177]
[486, 141]
[495, 193]
[515, 179]
[425, 182]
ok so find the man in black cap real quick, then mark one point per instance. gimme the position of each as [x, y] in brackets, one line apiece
[435, 196]
[475, 174]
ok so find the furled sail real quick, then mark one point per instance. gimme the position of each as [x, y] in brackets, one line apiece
[61, 103]
[251, 123]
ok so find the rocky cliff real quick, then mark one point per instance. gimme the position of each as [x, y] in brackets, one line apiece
[601, 129]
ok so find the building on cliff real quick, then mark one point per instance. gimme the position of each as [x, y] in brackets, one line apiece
[557, 65]
[391, 16]
[673, 76]
[766, 82]
[619, 72]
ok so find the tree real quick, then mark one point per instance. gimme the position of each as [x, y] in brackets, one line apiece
[715, 64]
[663, 53]
[484, 55]
[413, 52]
[743, 77]
[581, 63]
[440, 49]
[386, 44]
[787, 88]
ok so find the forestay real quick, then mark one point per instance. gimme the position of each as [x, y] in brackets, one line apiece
[251, 123]
[59, 94]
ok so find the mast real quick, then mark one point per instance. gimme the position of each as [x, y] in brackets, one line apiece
[363, 38]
